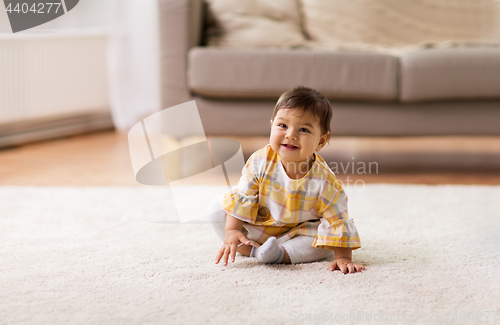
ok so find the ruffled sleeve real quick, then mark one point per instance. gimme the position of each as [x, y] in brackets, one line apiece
[335, 229]
[242, 202]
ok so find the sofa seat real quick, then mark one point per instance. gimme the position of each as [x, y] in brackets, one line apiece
[450, 74]
[266, 74]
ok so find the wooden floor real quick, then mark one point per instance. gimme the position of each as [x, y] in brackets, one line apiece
[102, 159]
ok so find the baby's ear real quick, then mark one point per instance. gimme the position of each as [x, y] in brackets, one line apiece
[323, 140]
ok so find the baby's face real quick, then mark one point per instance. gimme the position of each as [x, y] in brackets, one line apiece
[296, 135]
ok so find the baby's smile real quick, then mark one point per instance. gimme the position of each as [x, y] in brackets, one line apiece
[289, 146]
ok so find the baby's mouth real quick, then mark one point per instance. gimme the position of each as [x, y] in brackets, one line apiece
[290, 146]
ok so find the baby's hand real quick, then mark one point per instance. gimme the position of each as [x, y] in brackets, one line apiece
[231, 242]
[345, 265]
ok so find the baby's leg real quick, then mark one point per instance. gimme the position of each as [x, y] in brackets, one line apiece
[217, 218]
[300, 250]
[218, 221]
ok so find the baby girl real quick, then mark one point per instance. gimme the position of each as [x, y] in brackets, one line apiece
[288, 207]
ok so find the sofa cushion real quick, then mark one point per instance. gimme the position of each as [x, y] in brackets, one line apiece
[376, 24]
[254, 23]
[453, 73]
[266, 74]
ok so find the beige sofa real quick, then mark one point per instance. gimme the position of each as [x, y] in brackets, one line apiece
[444, 91]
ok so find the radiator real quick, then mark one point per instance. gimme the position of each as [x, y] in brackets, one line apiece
[52, 84]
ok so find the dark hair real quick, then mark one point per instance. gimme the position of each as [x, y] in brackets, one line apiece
[307, 100]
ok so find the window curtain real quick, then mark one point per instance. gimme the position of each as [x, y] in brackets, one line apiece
[133, 61]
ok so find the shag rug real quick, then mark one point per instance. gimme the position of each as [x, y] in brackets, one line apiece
[118, 255]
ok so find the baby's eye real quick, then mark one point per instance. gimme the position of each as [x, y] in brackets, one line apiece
[281, 125]
[304, 130]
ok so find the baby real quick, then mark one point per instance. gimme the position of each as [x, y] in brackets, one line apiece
[288, 207]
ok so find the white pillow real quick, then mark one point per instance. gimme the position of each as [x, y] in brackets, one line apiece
[254, 23]
[397, 23]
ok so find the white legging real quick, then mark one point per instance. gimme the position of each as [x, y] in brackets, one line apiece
[299, 248]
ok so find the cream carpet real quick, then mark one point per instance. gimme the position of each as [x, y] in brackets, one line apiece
[115, 255]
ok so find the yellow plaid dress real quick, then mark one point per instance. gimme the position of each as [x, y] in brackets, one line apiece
[272, 204]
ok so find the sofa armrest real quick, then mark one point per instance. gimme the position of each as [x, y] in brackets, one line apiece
[181, 23]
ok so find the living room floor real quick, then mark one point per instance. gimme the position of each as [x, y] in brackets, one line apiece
[102, 159]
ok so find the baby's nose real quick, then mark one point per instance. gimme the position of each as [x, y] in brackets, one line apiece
[291, 134]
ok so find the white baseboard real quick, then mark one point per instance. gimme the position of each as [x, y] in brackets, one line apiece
[17, 133]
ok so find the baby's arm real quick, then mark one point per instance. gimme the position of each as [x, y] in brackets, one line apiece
[233, 238]
[343, 261]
